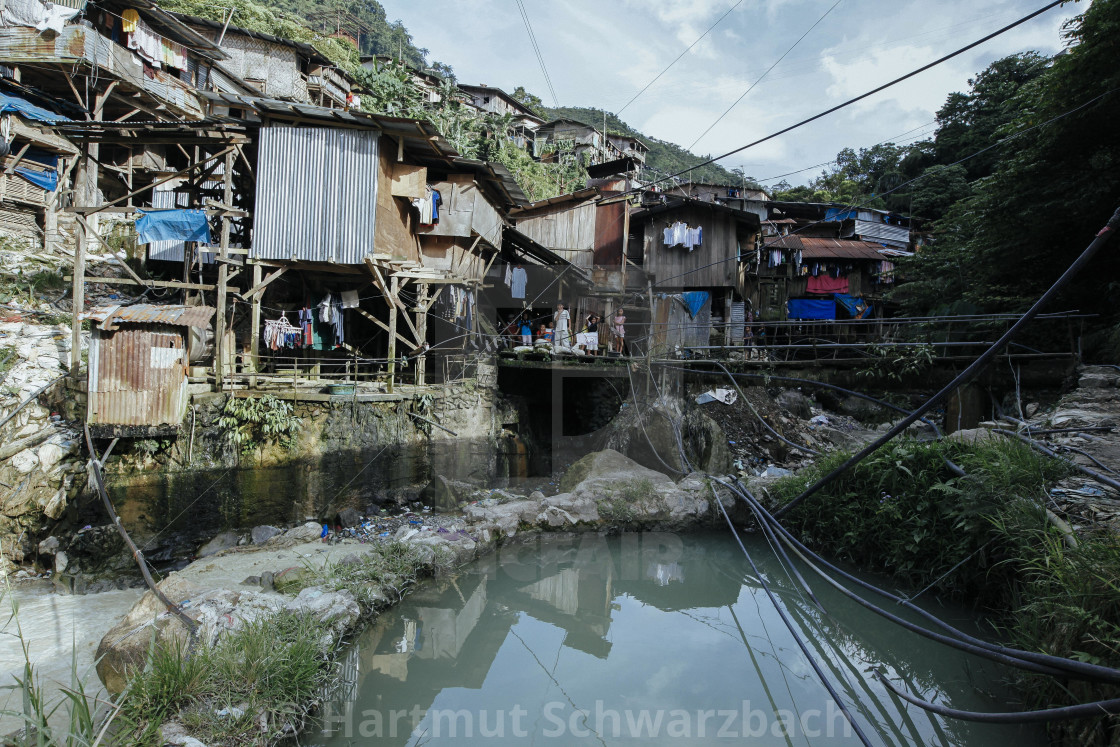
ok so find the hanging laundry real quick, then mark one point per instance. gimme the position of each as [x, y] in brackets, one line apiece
[826, 284]
[437, 200]
[350, 299]
[147, 44]
[508, 280]
[280, 333]
[305, 324]
[325, 309]
[428, 206]
[520, 278]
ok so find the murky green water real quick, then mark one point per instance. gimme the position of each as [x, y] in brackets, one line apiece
[660, 638]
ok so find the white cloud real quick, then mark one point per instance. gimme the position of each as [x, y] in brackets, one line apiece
[599, 54]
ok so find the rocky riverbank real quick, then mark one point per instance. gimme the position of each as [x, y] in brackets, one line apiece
[340, 585]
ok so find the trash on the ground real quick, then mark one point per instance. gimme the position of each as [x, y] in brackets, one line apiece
[818, 420]
[726, 396]
[1085, 491]
[773, 471]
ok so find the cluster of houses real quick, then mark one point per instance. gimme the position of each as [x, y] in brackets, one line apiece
[279, 234]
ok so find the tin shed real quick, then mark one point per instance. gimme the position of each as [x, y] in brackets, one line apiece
[138, 358]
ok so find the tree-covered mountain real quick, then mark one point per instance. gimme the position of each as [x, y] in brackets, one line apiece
[664, 157]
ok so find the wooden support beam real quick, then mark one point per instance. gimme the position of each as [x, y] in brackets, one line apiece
[421, 331]
[91, 210]
[383, 325]
[78, 294]
[222, 353]
[19, 157]
[101, 98]
[146, 283]
[255, 328]
[263, 284]
[393, 288]
[226, 208]
[113, 252]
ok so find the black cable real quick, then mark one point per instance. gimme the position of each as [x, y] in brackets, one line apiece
[1083, 710]
[1028, 660]
[793, 630]
[973, 369]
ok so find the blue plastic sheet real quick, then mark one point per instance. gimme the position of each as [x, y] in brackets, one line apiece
[811, 308]
[857, 307]
[179, 225]
[47, 180]
[695, 301]
[27, 110]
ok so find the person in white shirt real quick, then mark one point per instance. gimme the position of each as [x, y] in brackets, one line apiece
[562, 320]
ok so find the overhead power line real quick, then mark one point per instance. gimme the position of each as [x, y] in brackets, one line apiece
[759, 80]
[678, 57]
[537, 50]
[873, 91]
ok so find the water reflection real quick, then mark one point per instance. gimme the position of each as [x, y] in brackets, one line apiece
[665, 638]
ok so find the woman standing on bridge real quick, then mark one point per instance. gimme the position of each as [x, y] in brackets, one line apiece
[562, 320]
[618, 329]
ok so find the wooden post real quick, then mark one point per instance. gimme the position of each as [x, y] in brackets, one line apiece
[649, 339]
[78, 294]
[220, 347]
[394, 284]
[421, 331]
[255, 328]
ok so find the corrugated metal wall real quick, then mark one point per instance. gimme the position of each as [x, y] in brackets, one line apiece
[137, 375]
[316, 194]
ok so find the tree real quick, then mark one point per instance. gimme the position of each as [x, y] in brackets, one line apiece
[969, 122]
[938, 189]
[1050, 189]
[528, 99]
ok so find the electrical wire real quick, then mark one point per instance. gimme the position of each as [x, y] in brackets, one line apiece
[537, 50]
[678, 57]
[759, 79]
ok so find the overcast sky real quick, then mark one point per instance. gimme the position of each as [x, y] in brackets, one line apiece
[599, 53]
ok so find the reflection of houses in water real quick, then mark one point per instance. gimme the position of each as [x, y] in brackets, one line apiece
[577, 600]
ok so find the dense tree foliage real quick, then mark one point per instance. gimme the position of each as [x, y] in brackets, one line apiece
[1034, 201]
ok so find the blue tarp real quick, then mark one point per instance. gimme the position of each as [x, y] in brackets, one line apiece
[840, 214]
[857, 307]
[47, 180]
[811, 308]
[44, 180]
[179, 225]
[27, 110]
[695, 301]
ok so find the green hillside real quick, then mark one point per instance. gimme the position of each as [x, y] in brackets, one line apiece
[664, 157]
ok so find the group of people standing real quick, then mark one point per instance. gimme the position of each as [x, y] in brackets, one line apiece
[558, 331]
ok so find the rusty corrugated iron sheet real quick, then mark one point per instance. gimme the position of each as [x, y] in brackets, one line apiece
[813, 247]
[138, 375]
[144, 313]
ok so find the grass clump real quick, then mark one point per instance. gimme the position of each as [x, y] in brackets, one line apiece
[376, 578]
[250, 687]
[904, 512]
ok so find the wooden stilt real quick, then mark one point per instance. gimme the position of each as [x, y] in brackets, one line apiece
[255, 328]
[394, 286]
[421, 330]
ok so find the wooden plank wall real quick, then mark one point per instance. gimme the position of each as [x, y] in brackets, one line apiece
[568, 231]
[714, 264]
[393, 228]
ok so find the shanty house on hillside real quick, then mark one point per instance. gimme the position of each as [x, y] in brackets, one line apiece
[428, 83]
[734, 196]
[29, 179]
[590, 145]
[275, 67]
[627, 146]
[497, 101]
[690, 254]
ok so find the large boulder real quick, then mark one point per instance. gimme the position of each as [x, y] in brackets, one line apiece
[264, 533]
[795, 403]
[124, 648]
[648, 435]
[605, 468]
[223, 541]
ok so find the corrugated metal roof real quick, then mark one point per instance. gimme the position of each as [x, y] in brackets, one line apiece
[143, 313]
[821, 248]
[316, 194]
